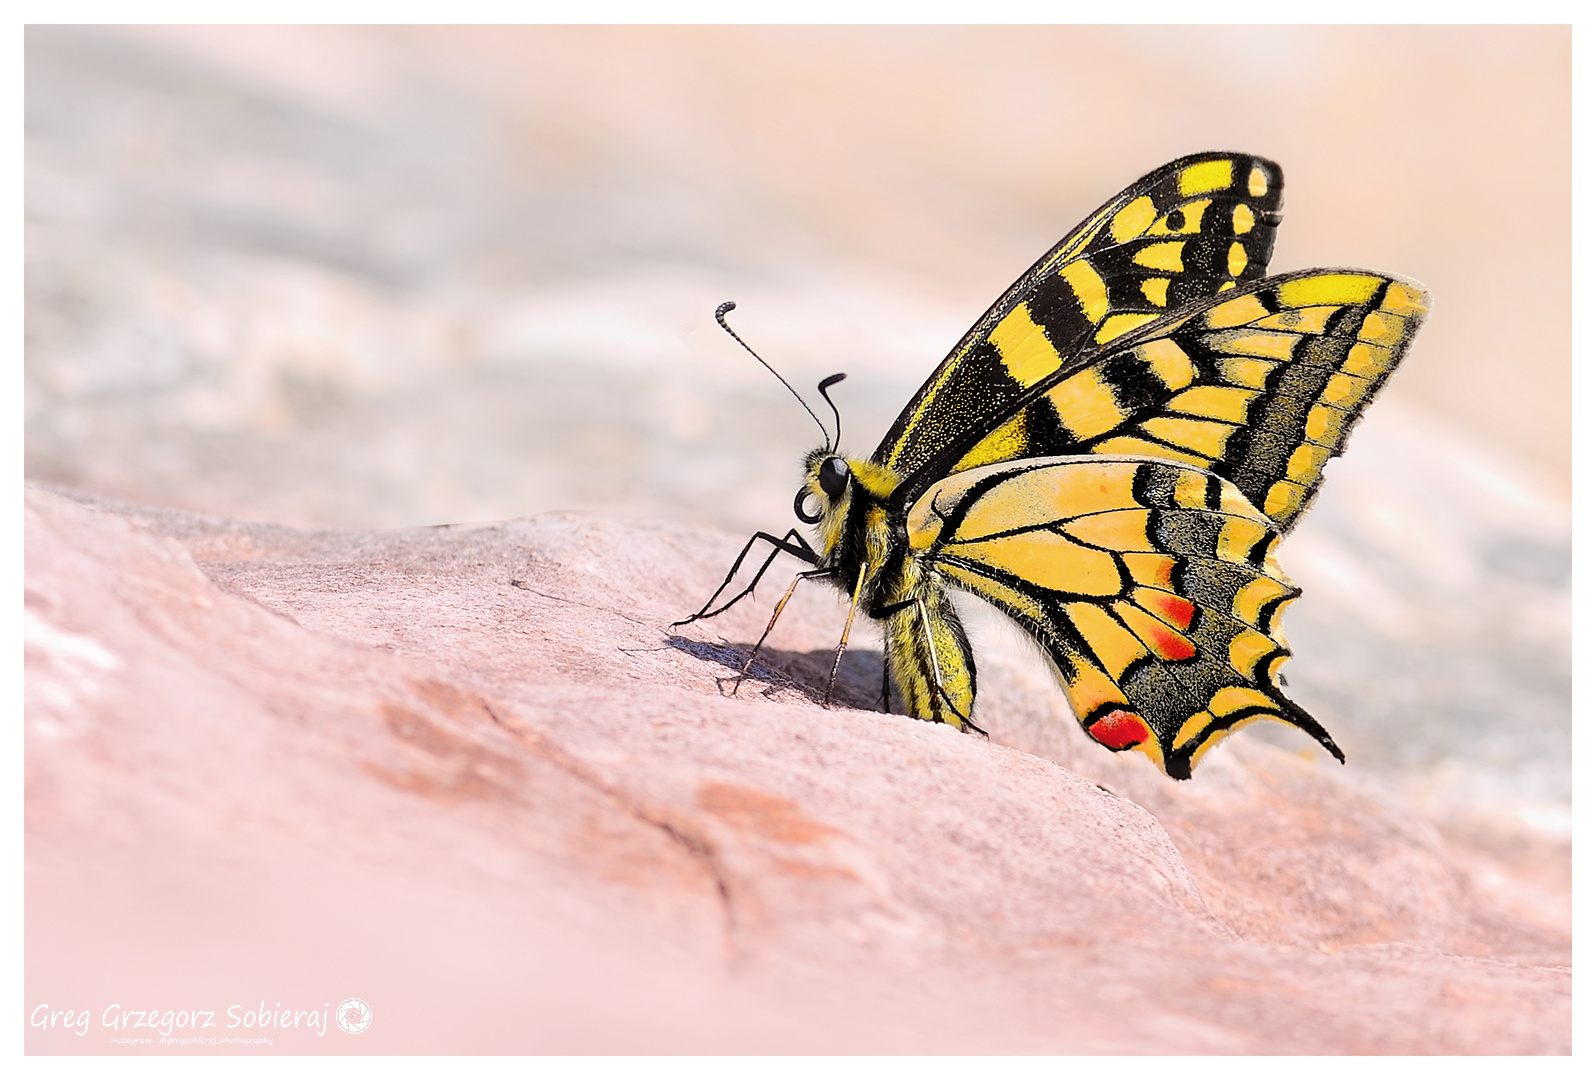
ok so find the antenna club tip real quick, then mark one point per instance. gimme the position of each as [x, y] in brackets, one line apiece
[730, 305]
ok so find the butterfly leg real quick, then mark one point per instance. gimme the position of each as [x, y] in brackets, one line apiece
[774, 615]
[793, 544]
[847, 628]
[936, 669]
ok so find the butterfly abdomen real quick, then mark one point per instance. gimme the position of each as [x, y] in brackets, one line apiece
[929, 656]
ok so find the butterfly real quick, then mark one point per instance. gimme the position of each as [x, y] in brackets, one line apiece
[1110, 457]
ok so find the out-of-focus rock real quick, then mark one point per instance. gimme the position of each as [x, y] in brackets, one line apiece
[472, 776]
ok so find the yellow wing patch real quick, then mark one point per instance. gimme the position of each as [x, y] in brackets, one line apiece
[1206, 176]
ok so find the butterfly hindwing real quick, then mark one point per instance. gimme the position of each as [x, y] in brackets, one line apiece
[1186, 232]
[1151, 585]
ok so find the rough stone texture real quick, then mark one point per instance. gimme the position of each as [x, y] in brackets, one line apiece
[471, 775]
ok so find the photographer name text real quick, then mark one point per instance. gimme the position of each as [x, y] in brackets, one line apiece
[130, 1023]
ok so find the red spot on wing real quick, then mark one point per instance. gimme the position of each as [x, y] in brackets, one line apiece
[1175, 610]
[1120, 730]
[1170, 645]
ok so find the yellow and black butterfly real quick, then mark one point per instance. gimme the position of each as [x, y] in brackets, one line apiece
[1110, 457]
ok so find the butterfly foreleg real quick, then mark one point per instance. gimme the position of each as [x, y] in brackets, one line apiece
[792, 544]
[847, 628]
[774, 615]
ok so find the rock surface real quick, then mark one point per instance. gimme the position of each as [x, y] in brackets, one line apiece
[473, 776]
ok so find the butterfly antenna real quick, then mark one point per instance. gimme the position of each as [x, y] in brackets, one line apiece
[720, 317]
[825, 384]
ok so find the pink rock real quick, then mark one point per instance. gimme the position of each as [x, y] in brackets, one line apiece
[472, 776]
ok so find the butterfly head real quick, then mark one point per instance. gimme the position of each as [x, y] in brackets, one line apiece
[823, 499]
[832, 483]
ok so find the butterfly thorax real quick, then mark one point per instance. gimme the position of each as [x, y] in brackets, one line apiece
[864, 543]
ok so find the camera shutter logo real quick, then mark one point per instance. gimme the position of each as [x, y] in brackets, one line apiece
[354, 1015]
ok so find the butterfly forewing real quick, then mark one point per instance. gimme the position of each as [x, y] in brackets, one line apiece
[1188, 231]
[1151, 585]
[1262, 386]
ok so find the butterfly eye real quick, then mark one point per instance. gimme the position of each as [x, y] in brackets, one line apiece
[833, 476]
[798, 507]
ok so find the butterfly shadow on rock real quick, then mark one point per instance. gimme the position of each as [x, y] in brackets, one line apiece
[858, 684]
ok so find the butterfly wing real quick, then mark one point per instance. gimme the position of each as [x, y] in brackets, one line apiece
[1183, 233]
[1152, 586]
[1261, 385]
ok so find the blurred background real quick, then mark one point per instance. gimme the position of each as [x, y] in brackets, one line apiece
[383, 277]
